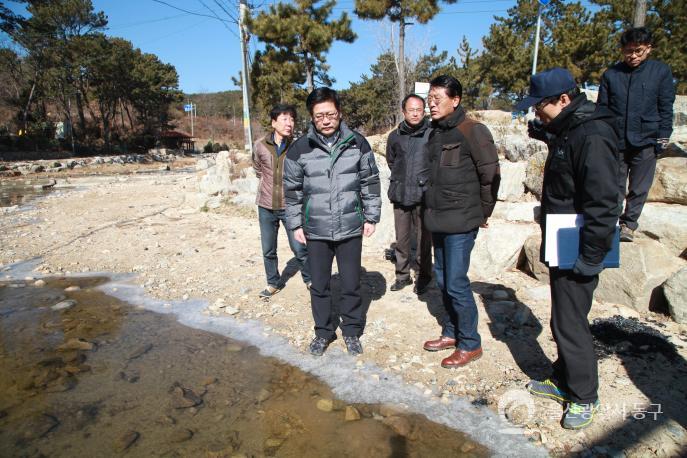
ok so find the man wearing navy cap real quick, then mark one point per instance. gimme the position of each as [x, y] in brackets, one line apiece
[580, 177]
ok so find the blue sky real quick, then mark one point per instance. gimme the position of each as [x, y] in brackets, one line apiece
[206, 52]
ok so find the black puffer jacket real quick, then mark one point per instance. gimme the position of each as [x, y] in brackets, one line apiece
[330, 193]
[642, 98]
[581, 176]
[464, 175]
[404, 154]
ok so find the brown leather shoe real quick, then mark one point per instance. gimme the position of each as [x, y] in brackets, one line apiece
[461, 358]
[442, 343]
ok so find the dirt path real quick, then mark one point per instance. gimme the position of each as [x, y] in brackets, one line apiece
[139, 223]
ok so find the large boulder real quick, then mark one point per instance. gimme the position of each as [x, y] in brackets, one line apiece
[513, 175]
[244, 188]
[525, 212]
[498, 248]
[535, 173]
[675, 291]
[532, 261]
[670, 181]
[666, 223]
[385, 232]
[217, 179]
[519, 147]
[644, 265]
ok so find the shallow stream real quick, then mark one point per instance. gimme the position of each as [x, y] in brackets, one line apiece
[85, 374]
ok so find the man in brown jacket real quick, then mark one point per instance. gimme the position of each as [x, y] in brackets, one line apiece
[268, 163]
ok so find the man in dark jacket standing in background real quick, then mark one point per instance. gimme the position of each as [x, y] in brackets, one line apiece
[641, 93]
[463, 181]
[580, 177]
[405, 156]
[332, 200]
[268, 163]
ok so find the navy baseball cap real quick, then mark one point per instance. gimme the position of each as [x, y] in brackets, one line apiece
[547, 84]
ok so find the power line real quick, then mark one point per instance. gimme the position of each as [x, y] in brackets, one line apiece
[134, 24]
[195, 13]
[218, 18]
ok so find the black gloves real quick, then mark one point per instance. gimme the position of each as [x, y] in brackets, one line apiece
[535, 129]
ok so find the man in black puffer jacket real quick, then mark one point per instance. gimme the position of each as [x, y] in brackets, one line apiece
[405, 156]
[641, 92]
[580, 177]
[332, 190]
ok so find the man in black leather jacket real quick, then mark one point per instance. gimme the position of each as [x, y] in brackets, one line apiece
[580, 177]
[641, 93]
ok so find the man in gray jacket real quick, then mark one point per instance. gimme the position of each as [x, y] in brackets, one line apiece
[332, 189]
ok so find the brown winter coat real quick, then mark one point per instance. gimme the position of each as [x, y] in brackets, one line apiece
[270, 170]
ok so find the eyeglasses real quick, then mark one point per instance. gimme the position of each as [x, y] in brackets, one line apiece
[639, 52]
[540, 106]
[436, 99]
[415, 110]
[319, 117]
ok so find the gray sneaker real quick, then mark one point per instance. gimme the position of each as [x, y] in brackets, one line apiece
[318, 346]
[269, 291]
[353, 345]
[626, 234]
[578, 416]
[547, 389]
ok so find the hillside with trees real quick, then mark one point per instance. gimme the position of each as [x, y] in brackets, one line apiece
[65, 84]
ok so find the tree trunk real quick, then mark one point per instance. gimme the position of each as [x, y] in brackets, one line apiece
[401, 62]
[25, 114]
[640, 13]
[309, 83]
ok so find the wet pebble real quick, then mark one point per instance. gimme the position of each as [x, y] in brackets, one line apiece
[40, 426]
[64, 305]
[76, 344]
[273, 442]
[352, 414]
[72, 288]
[140, 351]
[39, 283]
[234, 348]
[264, 395]
[181, 435]
[325, 405]
[400, 425]
[126, 440]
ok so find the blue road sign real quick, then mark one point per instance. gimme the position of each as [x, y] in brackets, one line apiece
[544, 2]
[188, 107]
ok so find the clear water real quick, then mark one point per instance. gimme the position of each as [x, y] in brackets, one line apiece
[14, 192]
[105, 378]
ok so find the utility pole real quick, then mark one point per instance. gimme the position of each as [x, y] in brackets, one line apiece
[243, 11]
[536, 40]
[640, 13]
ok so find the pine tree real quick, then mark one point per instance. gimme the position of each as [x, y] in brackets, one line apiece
[303, 32]
[667, 21]
[399, 11]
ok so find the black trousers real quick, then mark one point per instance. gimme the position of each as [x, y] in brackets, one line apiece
[637, 168]
[321, 254]
[575, 371]
[408, 222]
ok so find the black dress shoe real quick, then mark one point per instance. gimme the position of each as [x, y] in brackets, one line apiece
[400, 284]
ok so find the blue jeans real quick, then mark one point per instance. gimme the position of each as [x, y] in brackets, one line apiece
[269, 230]
[451, 264]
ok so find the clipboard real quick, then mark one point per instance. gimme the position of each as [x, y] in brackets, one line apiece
[563, 242]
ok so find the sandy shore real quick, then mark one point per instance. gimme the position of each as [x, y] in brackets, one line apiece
[139, 223]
